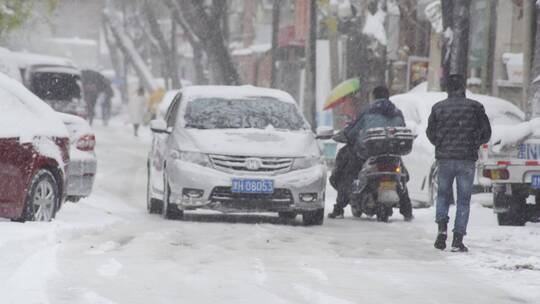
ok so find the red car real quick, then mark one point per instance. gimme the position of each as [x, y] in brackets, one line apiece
[34, 153]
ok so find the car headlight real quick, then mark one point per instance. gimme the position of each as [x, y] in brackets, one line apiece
[306, 162]
[192, 157]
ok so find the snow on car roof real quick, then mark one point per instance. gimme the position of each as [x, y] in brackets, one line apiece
[419, 103]
[24, 115]
[507, 120]
[236, 92]
[24, 60]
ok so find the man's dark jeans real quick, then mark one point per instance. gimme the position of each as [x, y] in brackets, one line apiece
[463, 172]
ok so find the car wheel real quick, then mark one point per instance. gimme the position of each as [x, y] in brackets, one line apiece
[170, 211]
[312, 218]
[152, 205]
[516, 214]
[42, 199]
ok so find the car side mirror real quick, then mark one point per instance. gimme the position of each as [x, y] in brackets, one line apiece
[159, 126]
[325, 133]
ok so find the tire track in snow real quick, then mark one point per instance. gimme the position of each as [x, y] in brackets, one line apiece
[317, 273]
[110, 269]
[313, 296]
[260, 271]
[91, 297]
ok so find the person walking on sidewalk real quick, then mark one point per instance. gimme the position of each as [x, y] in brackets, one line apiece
[136, 108]
[457, 127]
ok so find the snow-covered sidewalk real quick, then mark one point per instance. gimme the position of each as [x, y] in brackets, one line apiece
[107, 249]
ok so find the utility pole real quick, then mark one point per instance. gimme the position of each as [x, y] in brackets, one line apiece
[529, 88]
[534, 82]
[310, 96]
[460, 42]
[333, 45]
[276, 8]
[447, 11]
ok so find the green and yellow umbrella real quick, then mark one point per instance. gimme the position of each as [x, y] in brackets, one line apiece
[342, 90]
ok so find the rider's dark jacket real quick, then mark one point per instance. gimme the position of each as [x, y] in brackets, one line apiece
[381, 113]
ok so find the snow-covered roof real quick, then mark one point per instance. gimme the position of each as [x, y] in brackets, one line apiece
[236, 92]
[74, 41]
[24, 60]
[24, 115]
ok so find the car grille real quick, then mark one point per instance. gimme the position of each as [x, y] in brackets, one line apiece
[281, 199]
[269, 165]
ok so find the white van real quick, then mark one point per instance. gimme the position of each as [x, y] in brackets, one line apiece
[55, 80]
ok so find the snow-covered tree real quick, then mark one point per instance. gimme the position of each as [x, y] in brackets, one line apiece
[14, 13]
[206, 22]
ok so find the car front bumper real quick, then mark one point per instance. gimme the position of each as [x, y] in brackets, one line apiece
[214, 187]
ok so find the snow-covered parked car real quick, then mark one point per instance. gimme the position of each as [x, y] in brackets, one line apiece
[416, 107]
[235, 149]
[34, 152]
[82, 167]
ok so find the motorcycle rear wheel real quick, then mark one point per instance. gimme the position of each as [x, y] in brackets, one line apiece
[356, 212]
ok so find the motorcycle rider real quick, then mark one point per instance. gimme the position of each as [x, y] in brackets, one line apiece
[380, 112]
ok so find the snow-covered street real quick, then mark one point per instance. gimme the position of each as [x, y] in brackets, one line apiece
[108, 249]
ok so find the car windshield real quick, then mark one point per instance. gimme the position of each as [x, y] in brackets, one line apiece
[257, 113]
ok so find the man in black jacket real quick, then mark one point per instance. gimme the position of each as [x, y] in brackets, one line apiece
[457, 127]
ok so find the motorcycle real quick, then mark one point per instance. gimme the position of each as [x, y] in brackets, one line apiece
[383, 177]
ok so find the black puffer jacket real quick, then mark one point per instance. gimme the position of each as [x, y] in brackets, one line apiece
[457, 127]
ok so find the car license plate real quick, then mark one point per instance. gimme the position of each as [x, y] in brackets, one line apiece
[252, 185]
[387, 186]
[535, 182]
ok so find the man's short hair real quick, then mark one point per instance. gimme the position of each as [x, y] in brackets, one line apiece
[455, 83]
[381, 92]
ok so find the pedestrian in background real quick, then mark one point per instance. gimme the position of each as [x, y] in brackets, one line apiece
[137, 106]
[457, 127]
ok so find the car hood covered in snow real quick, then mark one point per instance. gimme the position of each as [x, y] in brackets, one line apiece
[249, 142]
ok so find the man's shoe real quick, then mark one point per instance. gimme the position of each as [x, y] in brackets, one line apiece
[336, 214]
[457, 243]
[408, 218]
[440, 242]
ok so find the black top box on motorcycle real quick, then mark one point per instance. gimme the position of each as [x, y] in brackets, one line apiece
[392, 140]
